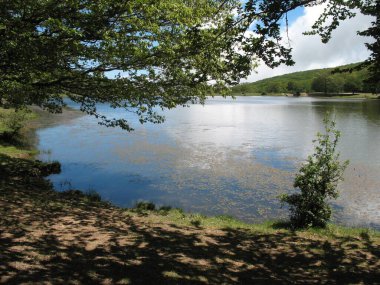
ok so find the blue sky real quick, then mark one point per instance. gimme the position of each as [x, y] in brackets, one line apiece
[295, 14]
[310, 53]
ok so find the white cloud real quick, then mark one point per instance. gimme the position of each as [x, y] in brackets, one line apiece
[309, 52]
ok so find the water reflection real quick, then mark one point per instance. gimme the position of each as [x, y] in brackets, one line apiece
[227, 157]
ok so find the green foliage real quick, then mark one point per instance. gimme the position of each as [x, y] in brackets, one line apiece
[93, 196]
[136, 55]
[12, 122]
[327, 84]
[317, 180]
[12, 143]
[354, 85]
[308, 81]
[144, 206]
[293, 87]
[372, 8]
[164, 210]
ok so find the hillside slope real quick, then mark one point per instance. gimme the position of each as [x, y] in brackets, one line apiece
[317, 80]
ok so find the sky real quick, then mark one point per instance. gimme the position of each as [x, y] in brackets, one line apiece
[309, 52]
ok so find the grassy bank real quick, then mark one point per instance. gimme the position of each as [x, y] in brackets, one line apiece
[23, 144]
[17, 145]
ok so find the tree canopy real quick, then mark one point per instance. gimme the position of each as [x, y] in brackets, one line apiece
[131, 54]
[143, 54]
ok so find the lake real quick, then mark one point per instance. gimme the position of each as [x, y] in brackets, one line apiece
[230, 157]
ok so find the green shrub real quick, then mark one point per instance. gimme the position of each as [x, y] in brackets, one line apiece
[145, 206]
[164, 210]
[13, 121]
[317, 181]
[93, 196]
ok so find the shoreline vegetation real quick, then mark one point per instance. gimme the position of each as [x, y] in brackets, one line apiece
[73, 237]
[312, 95]
[327, 82]
[22, 145]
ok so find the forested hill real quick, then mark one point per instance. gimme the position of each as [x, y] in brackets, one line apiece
[317, 80]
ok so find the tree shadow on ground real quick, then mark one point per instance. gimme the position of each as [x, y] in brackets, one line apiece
[46, 238]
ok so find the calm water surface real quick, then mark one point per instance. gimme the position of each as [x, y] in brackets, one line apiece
[228, 157]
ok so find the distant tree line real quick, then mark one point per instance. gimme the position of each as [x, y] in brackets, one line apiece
[331, 84]
[318, 81]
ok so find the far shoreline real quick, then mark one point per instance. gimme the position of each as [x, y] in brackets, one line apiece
[353, 96]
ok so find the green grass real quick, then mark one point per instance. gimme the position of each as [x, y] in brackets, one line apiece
[15, 146]
[17, 151]
[333, 231]
[180, 218]
[6, 112]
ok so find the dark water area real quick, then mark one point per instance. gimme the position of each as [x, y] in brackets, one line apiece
[231, 157]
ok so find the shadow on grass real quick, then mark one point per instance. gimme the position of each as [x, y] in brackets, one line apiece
[13, 139]
[283, 225]
[24, 169]
[46, 238]
[9, 139]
